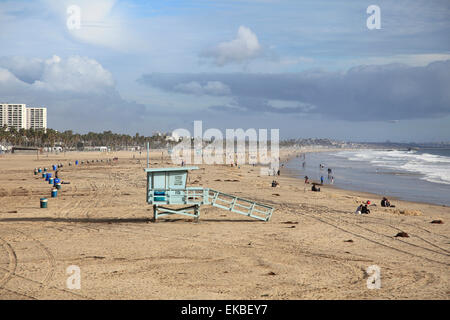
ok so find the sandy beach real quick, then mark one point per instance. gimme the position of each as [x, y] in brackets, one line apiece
[314, 247]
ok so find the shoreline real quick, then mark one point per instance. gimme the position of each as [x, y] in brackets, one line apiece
[292, 173]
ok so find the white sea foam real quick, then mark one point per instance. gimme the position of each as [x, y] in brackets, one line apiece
[433, 168]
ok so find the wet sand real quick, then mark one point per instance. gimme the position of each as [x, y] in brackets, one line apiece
[102, 223]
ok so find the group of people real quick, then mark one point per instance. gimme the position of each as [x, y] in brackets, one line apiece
[364, 209]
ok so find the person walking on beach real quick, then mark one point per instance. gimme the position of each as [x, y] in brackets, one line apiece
[321, 180]
[306, 179]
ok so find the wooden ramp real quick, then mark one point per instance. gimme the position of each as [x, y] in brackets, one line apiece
[239, 205]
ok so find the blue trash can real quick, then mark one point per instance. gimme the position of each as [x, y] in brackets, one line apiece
[50, 180]
[54, 167]
[39, 170]
[44, 202]
[56, 181]
[47, 176]
[54, 192]
[76, 162]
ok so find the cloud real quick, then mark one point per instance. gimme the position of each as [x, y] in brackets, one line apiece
[77, 74]
[363, 93]
[245, 47]
[79, 93]
[215, 88]
[249, 105]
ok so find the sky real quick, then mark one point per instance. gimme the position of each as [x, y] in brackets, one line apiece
[313, 68]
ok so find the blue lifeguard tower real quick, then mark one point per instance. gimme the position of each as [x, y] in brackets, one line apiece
[167, 186]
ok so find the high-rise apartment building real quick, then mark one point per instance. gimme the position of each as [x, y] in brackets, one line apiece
[37, 118]
[13, 115]
[18, 116]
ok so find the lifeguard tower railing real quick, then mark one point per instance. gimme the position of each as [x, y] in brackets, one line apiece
[167, 186]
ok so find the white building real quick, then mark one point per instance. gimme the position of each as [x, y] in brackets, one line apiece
[37, 118]
[18, 116]
[13, 115]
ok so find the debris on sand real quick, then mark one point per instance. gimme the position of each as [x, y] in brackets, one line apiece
[349, 240]
[271, 273]
[290, 222]
[437, 221]
[408, 212]
[276, 194]
[402, 235]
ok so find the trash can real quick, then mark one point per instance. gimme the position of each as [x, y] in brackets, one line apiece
[43, 202]
[54, 192]
[50, 180]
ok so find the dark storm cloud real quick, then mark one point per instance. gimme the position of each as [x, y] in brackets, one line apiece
[393, 91]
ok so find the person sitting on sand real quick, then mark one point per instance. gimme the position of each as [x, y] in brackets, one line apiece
[364, 209]
[359, 209]
[274, 183]
[386, 203]
[314, 188]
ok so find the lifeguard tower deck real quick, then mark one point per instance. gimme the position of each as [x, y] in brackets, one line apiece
[167, 186]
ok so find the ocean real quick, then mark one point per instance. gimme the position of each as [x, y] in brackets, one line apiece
[418, 175]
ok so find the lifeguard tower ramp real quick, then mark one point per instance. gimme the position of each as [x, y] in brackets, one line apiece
[167, 186]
